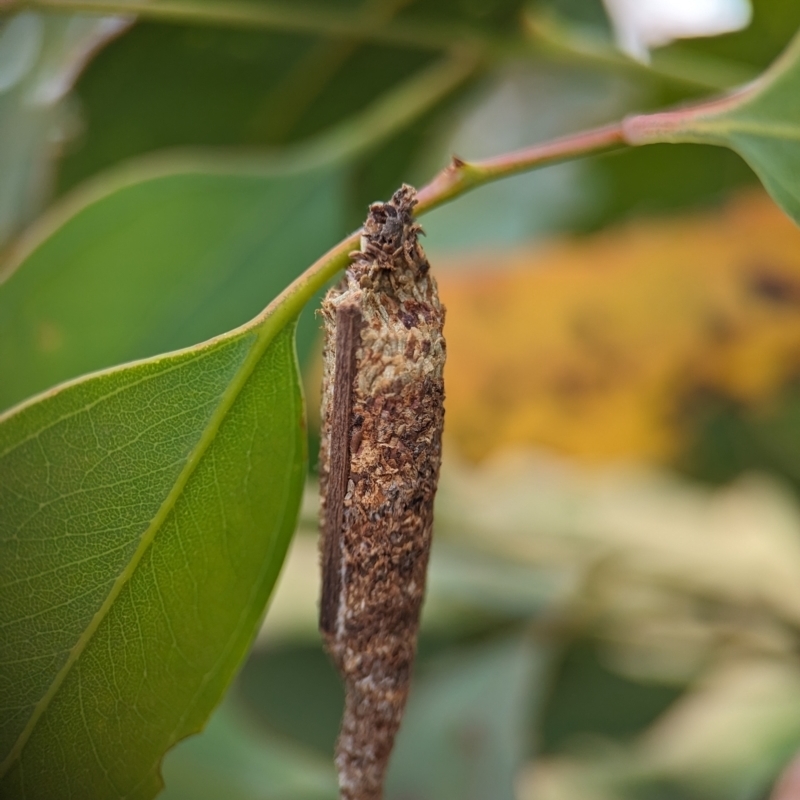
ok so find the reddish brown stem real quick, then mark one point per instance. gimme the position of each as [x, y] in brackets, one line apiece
[455, 179]
[461, 176]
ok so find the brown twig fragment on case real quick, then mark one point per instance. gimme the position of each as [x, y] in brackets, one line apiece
[382, 415]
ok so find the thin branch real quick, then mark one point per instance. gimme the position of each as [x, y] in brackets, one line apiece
[454, 180]
[461, 176]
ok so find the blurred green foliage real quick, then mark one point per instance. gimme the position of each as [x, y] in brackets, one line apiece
[173, 258]
[170, 86]
[732, 439]
[589, 699]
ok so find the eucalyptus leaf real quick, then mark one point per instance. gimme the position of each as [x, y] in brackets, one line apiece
[146, 513]
[761, 122]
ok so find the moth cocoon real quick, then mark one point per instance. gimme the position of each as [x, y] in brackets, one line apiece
[382, 416]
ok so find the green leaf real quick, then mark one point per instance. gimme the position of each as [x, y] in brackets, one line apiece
[235, 759]
[146, 513]
[155, 258]
[172, 250]
[761, 122]
[233, 88]
[464, 733]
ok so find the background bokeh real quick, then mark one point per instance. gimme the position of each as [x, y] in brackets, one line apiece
[614, 598]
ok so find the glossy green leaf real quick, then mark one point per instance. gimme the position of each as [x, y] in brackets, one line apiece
[146, 511]
[152, 259]
[761, 122]
[236, 759]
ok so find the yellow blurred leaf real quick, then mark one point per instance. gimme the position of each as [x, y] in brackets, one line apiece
[595, 347]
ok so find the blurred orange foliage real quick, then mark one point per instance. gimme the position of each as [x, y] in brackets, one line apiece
[595, 347]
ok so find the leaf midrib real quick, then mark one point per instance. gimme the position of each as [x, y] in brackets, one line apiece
[175, 735]
[267, 333]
